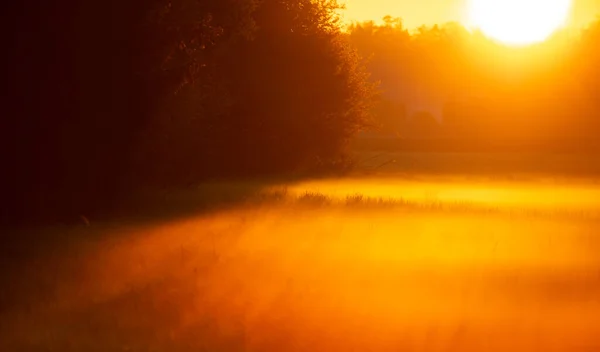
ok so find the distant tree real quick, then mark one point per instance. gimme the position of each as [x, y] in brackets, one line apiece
[389, 116]
[424, 124]
[589, 61]
[486, 89]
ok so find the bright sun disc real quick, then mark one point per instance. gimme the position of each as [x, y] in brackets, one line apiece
[519, 22]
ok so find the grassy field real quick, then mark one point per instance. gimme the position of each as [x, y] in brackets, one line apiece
[388, 262]
[498, 165]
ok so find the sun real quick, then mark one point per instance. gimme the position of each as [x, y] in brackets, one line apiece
[519, 22]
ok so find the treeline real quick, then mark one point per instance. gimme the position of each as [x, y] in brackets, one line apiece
[107, 98]
[447, 82]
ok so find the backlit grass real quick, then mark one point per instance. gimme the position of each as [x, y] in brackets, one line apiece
[325, 266]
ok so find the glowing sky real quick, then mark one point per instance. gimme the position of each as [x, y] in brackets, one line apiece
[418, 12]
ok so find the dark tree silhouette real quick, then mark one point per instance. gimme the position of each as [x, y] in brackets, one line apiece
[107, 98]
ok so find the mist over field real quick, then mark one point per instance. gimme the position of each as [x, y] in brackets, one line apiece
[378, 264]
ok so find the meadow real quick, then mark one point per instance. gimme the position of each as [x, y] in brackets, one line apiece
[381, 260]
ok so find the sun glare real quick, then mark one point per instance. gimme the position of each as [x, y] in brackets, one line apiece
[519, 22]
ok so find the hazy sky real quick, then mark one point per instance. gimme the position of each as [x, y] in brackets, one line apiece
[418, 12]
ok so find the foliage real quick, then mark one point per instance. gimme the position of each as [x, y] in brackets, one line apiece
[544, 93]
[589, 61]
[166, 93]
[285, 94]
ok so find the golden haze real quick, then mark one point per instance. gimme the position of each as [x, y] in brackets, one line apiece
[518, 22]
[429, 12]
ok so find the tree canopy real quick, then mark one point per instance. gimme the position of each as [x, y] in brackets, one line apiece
[165, 93]
[477, 88]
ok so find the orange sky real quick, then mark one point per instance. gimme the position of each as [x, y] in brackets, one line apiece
[418, 12]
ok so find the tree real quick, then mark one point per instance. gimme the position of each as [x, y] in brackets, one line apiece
[170, 92]
[301, 89]
[292, 94]
[588, 63]
[85, 87]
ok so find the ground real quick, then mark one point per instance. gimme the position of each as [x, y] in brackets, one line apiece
[365, 263]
